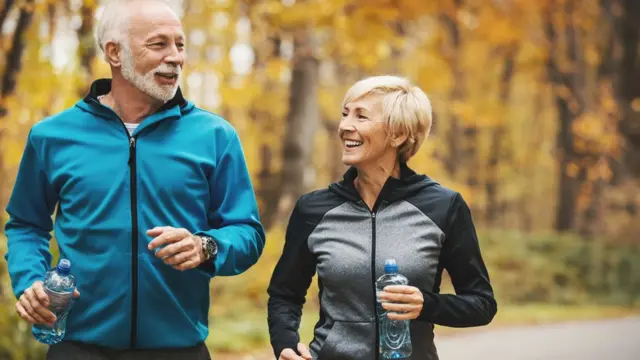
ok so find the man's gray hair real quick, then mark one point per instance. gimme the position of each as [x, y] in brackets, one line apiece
[113, 25]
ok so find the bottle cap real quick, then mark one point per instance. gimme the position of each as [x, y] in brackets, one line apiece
[64, 266]
[390, 266]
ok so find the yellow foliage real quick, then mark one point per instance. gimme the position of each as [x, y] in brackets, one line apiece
[635, 105]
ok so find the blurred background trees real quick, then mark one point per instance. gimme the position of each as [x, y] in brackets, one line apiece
[537, 123]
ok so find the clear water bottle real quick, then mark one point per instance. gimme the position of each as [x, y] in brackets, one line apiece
[394, 336]
[59, 285]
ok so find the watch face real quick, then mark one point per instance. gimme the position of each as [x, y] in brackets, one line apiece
[211, 246]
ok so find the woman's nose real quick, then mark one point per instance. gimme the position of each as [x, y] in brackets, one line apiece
[346, 124]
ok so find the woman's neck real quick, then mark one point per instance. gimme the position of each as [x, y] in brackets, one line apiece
[370, 180]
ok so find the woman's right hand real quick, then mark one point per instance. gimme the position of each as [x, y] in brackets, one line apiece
[289, 354]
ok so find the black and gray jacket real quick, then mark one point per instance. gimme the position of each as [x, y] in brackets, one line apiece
[423, 225]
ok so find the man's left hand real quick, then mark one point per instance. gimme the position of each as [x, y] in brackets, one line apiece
[182, 250]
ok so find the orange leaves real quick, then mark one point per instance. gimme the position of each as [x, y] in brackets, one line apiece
[463, 110]
[594, 136]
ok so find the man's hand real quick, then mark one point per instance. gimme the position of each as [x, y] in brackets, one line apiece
[33, 303]
[288, 354]
[403, 302]
[182, 250]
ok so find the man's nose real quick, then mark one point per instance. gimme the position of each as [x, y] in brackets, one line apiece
[175, 57]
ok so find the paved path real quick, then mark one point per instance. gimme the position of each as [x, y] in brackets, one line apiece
[617, 339]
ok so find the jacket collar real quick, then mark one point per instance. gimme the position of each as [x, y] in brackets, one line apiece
[393, 189]
[171, 110]
[102, 87]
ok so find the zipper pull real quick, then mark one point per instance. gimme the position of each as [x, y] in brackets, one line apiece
[132, 149]
[373, 215]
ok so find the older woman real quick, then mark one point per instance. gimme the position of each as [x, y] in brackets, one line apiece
[381, 209]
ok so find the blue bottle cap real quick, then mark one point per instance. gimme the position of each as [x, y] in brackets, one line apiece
[390, 266]
[64, 266]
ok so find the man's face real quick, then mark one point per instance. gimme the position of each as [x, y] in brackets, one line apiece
[154, 57]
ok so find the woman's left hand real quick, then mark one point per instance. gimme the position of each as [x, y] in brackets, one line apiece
[403, 302]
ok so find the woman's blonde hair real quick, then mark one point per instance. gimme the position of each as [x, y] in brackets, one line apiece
[406, 109]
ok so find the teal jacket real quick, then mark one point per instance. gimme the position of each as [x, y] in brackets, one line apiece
[182, 167]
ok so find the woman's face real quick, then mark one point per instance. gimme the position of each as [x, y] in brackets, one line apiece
[363, 132]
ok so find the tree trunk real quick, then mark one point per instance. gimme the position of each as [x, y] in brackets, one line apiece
[570, 106]
[302, 121]
[270, 187]
[497, 135]
[14, 55]
[628, 91]
[456, 93]
[607, 78]
[13, 65]
[86, 45]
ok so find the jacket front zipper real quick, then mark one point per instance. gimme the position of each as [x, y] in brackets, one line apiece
[134, 240]
[134, 229]
[373, 279]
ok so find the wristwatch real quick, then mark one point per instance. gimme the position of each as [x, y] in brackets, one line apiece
[209, 247]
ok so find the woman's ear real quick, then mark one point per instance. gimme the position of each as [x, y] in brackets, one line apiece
[398, 140]
[113, 52]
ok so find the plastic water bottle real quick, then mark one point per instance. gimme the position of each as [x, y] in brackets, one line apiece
[394, 336]
[59, 286]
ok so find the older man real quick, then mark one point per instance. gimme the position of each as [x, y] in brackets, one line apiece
[153, 199]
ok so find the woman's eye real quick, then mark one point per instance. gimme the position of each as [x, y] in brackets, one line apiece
[344, 114]
[362, 117]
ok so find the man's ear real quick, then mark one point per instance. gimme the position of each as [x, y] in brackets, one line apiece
[113, 53]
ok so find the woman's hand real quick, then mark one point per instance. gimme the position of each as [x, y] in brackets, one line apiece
[288, 354]
[403, 302]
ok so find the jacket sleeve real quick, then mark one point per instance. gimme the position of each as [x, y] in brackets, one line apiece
[28, 228]
[233, 215]
[474, 303]
[289, 284]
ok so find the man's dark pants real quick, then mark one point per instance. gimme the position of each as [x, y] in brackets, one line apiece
[68, 350]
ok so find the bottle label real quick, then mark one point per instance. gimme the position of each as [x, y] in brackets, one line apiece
[58, 302]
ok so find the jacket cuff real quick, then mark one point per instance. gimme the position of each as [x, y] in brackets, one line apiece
[279, 346]
[429, 306]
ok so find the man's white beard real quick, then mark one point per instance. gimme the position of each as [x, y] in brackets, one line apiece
[146, 82]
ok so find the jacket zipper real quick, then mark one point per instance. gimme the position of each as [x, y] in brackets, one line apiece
[134, 240]
[134, 229]
[373, 279]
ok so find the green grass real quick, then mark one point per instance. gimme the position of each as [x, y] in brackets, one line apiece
[249, 331]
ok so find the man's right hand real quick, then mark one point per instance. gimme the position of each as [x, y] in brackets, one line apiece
[32, 305]
[288, 354]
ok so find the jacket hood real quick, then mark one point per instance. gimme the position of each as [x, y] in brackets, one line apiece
[175, 107]
[393, 190]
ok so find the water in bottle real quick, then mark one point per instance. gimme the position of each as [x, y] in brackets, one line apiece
[394, 336]
[59, 285]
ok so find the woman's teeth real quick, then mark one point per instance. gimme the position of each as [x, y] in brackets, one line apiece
[352, 143]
